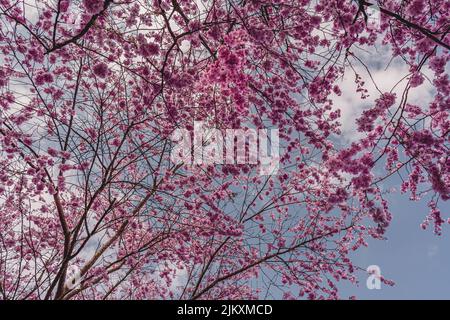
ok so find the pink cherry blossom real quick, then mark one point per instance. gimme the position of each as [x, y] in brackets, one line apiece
[101, 70]
[93, 6]
[91, 92]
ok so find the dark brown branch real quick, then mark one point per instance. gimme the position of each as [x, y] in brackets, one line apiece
[84, 31]
[429, 34]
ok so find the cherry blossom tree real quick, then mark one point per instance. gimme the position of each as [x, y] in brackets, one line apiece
[91, 91]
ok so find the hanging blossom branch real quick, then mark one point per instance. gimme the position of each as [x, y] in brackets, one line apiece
[93, 204]
[428, 33]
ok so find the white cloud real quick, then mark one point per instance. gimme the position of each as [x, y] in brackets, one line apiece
[386, 75]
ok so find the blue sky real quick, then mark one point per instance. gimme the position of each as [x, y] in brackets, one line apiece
[417, 260]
